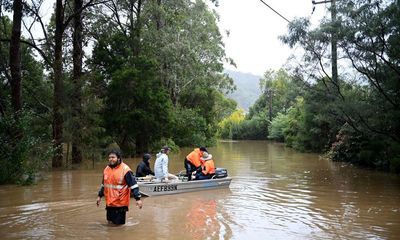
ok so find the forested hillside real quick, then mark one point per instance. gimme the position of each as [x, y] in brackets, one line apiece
[247, 88]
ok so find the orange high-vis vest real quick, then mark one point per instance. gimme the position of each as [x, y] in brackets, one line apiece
[194, 157]
[116, 191]
[208, 167]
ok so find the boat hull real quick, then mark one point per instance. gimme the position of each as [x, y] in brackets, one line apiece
[157, 189]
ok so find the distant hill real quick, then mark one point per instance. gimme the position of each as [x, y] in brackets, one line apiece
[247, 88]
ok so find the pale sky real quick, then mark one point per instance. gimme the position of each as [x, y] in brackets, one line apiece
[254, 29]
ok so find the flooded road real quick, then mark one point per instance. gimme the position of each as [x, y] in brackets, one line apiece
[276, 193]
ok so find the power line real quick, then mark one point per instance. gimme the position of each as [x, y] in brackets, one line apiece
[275, 11]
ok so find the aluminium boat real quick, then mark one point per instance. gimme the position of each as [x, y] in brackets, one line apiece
[152, 187]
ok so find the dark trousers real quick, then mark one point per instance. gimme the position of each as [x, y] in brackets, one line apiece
[201, 176]
[189, 169]
[116, 215]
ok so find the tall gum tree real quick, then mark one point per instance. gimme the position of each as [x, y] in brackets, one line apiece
[77, 82]
[15, 57]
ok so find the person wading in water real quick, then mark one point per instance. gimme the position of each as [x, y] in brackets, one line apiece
[118, 182]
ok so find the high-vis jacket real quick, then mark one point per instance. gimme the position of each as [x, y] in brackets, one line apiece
[208, 167]
[116, 189]
[194, 157]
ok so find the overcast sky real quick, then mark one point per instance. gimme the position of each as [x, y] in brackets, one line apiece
[254, 29]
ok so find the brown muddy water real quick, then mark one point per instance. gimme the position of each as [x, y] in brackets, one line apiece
[276, 193]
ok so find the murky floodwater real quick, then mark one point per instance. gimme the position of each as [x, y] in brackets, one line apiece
[277, 193]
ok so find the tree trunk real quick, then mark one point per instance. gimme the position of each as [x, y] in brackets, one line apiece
[157, 15]
[2, 108]
[334, 46]
[15, 58]
[58, 87]
[77, 84]
[137, 30]
[67, 157]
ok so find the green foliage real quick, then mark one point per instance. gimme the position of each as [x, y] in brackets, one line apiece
[25, 135]
[320, 118]
[137, 108]
[110, 53]
[278, 126]
[308, 125]
[23, 151]
[155, 77]
[157, 145]
[357, 116]
[363, 150]
[12, 152]
[189, 128]
[229, 125]
[223, 107]
[188, 46]
[92, 130]
[209, 104]
[347, 145]
[290, 127]
[253, 129]
[184, 41]
[278, 93]
[236, 126]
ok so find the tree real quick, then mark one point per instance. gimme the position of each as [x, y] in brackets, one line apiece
[54, 47]
[183, 40]
[368, 100]
[15, 57]
[23, 133]
[369, 37]
[137, 109]
[279, 92]
[365, 37]
[77, 83]
[228, 125]
[188, 46]
[58, 85]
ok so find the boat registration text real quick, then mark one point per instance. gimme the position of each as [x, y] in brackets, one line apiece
[165, 188]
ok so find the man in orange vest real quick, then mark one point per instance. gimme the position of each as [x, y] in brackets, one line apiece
[193, 162]
[118, 182]
[207, 168]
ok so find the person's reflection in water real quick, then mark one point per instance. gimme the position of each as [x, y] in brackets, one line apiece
[201, 220]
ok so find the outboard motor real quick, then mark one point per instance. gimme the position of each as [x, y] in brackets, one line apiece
[220, 173]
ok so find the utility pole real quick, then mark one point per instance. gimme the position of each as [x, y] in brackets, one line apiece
[333, 40]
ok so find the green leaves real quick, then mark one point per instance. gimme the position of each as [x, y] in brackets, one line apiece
[182, 42]
[362, 108]
[138, 109]
[188, 47]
